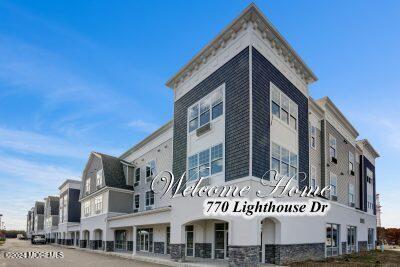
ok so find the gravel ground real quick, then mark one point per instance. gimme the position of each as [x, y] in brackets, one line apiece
[72, 257]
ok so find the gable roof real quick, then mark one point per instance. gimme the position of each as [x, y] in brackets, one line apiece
[113, 171]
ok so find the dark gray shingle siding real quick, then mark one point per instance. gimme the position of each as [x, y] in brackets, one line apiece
[263, 72]
[235, 75]
[74, 207]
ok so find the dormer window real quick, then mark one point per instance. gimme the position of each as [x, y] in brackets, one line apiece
[99, 178]
[87, 186]
[206, 110]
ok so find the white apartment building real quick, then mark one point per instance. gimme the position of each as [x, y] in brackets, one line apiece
[241, 108]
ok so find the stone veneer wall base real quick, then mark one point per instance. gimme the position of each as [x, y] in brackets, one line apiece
[177, 252]
[245, 256]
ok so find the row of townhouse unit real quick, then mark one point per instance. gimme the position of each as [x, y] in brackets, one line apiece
[241, 108]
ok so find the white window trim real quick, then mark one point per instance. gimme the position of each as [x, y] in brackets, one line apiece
[222, 87]
[86, 208]
[280, 160]
[140, 176]
[153, 174]
[145, 196]
[87, 185]
[315, 137]
[98, 205]
[351, 155]
[313, 177]
[134, 201]
[210, 161]
[331, 175]
[352, 188]
[330, 146]
[99, 178]
[291, 102]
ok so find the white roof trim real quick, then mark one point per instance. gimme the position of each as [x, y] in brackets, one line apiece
[253, 15]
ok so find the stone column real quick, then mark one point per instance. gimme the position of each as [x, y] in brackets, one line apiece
[178, 252]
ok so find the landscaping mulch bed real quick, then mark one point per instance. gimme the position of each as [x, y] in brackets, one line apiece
[369, 258]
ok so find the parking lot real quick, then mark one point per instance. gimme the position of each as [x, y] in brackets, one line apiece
[71, 257]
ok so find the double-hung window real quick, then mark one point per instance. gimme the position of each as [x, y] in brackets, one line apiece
[137, 202]
[137, 177]
[150, 170]
[205, 163]
[98, 204]
[86, 208]
[284, 161]
[87, 186]
[370, 176]
[313, 180]
[351, 195]
[149, 198]
[313, 137]
[351, 163]
[99, 178]
[332, 147]
[370, 202]
[283, 108]
[208, 109]
[333, 184]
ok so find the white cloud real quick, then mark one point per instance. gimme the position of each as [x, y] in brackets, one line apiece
[143, 126]
[41, 174]
[31, 142]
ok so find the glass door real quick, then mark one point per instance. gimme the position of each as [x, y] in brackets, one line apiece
[120, 240]
[221, 241]
[351, 239]
[189, 240]
[144, 241]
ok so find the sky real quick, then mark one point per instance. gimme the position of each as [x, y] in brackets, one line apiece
[81, 76]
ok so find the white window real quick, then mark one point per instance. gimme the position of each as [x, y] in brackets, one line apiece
[209, 161]
[150, 170]
[86, 208]
[207, 109]
[283, 108]
[351, 195]
[284, 161]
[313, 137]
[370, 202]
[370, 176]
[98, 204]
[313, 180]
[137, 177]
[332, 146]
[351, 162]
[149, 198]
[65, 209]
[136, 203]
[333, 184]
[87, 185]
[99, 178]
